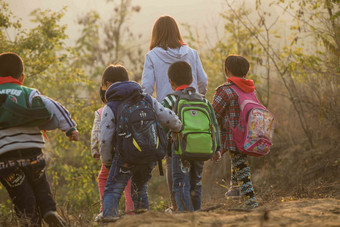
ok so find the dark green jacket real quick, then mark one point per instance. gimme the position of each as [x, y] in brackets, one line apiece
[15, 109]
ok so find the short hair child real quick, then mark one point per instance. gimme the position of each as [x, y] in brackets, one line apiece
[26, 157]
[227, 110]
[180, 77]
[114, 73]
[180, 73]
[11, 64]
[236, 65]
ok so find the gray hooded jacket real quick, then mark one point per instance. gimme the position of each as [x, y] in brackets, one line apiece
[157, 62]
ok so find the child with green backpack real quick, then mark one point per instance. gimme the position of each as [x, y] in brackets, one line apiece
[198, 140]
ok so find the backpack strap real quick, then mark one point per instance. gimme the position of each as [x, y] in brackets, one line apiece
[159, 162]
[245, 98]
[187, 93]
[148, 98]
[160, 167]
[178, 94]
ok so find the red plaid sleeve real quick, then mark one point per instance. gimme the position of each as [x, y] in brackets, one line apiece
[227, 111]
[219, 104]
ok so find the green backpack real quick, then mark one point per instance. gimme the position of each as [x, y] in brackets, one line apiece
[199, 140]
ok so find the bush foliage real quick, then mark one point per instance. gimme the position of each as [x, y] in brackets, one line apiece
[297, 75]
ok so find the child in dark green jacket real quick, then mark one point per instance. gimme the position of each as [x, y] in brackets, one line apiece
[22, 165]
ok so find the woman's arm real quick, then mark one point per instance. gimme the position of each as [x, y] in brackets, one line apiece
[202, 80]
[148, 77]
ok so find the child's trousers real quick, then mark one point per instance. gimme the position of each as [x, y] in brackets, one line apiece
[240, 176]
[26, 184]
[102, 178]
[169, 181]
[187, 184]
[117, 181]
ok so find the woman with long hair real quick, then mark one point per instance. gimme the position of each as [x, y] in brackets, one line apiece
[167, 47]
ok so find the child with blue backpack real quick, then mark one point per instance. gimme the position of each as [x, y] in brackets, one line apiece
[230, 105]
[104, 172]
[197, 142]
[131, 139]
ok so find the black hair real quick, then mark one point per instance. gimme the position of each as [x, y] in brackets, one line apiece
[115, 73]
[11, 64]
[237, 65]
[180, 73]
[102, 94]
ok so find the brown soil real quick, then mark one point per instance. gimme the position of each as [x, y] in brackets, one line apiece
[302, 212]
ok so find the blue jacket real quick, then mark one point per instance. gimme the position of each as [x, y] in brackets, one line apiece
[120, 91]
[156, 65]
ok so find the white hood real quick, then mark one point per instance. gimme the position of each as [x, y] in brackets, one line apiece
[172, 55]
[157, 63]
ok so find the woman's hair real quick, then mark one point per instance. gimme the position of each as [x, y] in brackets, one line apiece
[165, 33]
[115, 73]
[11, 64]
[237, 65]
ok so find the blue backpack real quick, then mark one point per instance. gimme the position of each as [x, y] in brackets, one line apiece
[139, 137]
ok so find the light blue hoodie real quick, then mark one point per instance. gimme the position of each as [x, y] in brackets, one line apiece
[157, 62]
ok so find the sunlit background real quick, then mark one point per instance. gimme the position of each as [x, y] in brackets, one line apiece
[293, 47]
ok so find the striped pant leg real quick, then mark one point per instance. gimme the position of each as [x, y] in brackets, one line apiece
[241, 176]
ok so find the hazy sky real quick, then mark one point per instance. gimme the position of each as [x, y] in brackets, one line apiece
[201, 14]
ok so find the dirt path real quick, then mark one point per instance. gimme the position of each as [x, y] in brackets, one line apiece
[304, 212]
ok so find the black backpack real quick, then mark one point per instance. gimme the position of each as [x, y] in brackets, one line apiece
[139, 137]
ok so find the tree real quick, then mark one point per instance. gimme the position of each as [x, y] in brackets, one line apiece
[106, 42]
[49, 67]
[320, 69]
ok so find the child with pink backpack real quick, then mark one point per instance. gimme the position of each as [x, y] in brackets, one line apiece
[246, 126]
[104, 172]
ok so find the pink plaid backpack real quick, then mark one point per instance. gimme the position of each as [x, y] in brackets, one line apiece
[254, 131]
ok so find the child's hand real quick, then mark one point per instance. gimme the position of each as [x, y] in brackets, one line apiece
[108, 165]
[174, 136]
[216, 157]
[96, 156]
[74, 136]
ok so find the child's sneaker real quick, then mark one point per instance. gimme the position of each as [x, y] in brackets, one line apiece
[140, 211]
[110, 219]
[251, 203]
[234, 192]
[53, 219]
[99, 217]
[169, 210]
